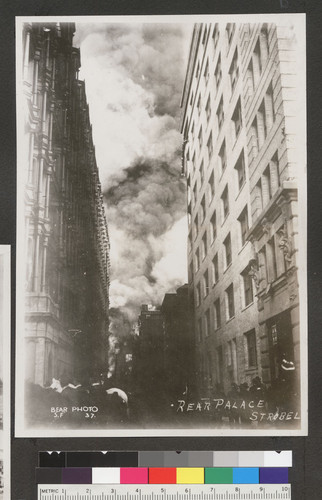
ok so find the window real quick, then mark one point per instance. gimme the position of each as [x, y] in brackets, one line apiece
[199, 105]
[211, 186]
[234, 71]
[199, 329]
[230, 28]
[258, 197]
[229, 353]
[271, 260]
[207, 323]
[223, 157]
[275, 176]
[281, 257]
[217, 314]
[215, 269]
[264, 42]
[197, 259]
[194, 162]
[225, 203]
[204, 37]
[187, 165]
[266, 186]
[237, 119]
[263, 266]
[192, 132]
[218, 73]
[220, 114]
[230, 307]
[197, 70]
[248, 288]
[208, 109]
[198, 294]
[270, 180]
[227, 245]
[206, 72]
[204, 246]
[261, 123]
[205, 284]
[220, 365]
[203, 209]
[210, 146]
[213, 227]
[257, 62]
[250, 78]
[243, 223]
[269, 107]
[202, 173]
[191, 99]
[200, 138]
[195, 226]
[251, 352]
[215, 35]
[195, 192]
[240, 169]
[190, 242]
[255, 140]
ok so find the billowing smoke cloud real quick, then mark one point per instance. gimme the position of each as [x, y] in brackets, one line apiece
[134, 78]
[147, 218]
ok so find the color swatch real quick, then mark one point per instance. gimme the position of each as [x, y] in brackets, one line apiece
[162, 475]
[170, 459]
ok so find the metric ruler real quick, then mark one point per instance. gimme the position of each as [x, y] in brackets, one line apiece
[164, 492]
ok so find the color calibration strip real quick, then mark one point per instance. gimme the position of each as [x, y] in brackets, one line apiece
[170, 459]
[162, 475]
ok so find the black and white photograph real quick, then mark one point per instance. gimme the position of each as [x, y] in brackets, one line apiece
[161, 226]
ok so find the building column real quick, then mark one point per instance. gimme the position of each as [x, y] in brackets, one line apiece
[40, 181]
[26, 53]
[31, 158]
[35, 79]
[44, 110]
[36, 261]
[265, 190]
[274, 174]
[44, 265]
[47, 195]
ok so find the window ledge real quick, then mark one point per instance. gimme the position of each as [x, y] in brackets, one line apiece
[251, 369]
[227, 267]
[223, 222]
[230, 319]
[242, 248]
[248, 306]
[240, 190]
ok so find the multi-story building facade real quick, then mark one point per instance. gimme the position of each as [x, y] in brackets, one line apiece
[163, 361]
[238, 157]
[178, 349]
[66, 236]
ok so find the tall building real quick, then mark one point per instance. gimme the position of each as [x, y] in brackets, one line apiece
[66, 236]
[178, 348]
[239, 158]
[150, 356]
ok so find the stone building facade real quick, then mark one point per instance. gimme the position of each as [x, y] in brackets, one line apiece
[66, 244]
[239, 159]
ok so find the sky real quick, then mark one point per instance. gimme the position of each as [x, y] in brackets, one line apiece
[134, 76]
